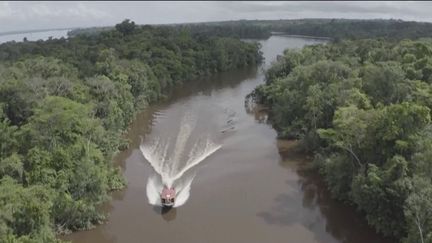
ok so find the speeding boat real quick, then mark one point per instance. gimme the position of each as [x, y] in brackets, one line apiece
[168, 197]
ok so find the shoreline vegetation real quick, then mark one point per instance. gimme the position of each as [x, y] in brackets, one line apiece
[64, 106]
[363, 108]
[32, 31]
[335, 29]
[301, 36]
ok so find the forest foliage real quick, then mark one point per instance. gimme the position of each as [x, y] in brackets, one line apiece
[64, 104]
[364, 108]
[335, 28]
[331, 28]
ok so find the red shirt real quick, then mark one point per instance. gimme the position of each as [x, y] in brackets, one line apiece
[168, 193]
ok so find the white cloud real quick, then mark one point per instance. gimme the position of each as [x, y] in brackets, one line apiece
[87, 11]
[31, 15]
[42, 15]
[5, 10]
[41, 10]
[65, 10]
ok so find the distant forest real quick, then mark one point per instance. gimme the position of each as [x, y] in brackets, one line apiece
[333, 28]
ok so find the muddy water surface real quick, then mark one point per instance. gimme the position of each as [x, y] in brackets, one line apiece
[253, 189]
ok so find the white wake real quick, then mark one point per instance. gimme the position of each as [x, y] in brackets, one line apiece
[176, 170]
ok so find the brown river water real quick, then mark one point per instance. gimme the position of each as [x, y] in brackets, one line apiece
[253, 189]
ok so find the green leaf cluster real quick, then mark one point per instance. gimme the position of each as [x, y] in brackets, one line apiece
[364, 108]
[64, 105]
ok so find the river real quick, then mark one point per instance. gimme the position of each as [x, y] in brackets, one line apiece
[34, 35]
[253, 189]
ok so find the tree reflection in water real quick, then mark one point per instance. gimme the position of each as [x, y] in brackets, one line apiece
[317, 207]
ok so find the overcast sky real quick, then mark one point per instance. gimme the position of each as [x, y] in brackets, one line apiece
[45, 15]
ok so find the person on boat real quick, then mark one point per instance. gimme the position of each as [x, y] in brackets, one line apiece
[168, 196]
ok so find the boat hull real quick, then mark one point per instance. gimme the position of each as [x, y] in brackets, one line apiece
[165, 205]
[168, 197]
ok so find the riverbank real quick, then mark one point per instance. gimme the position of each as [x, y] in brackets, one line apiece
[351, 109]
[251, 190]
[64, 106]
[301, 36]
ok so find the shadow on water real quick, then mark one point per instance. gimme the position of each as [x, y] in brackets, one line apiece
[167, 213]
[282, 213]
[337, 214]
[260, 112]
[317, 207]
[317, 211]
